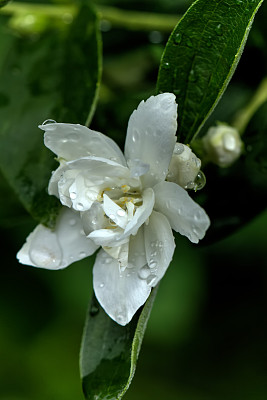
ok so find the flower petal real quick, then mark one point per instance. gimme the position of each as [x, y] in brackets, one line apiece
[120, 293]
[184, 215]
[108, 237]
[151, 135]
[73, 141]
[79, 182]
[142, 213]
[57, 249]
[94, 218]
[159, 244]
[115, 212]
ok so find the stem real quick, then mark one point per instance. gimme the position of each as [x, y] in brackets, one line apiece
[132, 20]
[244, 115]
[138, 20]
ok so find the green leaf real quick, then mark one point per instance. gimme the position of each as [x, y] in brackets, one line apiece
[109, 351]
[237, 194]
[54, 75]
[201, 56]
[3, 3]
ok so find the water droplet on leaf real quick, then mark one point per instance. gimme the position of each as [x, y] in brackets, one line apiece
[189, 42]
[94, 310]
[192, 76]
[177, 38]
[219, 30]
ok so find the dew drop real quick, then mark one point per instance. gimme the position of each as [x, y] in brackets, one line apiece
[151, 280]
[152, 264]
[101, 285]
[192, 76]
[49, 121]
[209, 42]
[144, 272]
[94, 221]
[219, 30]
[94, 310]
[121, 213]
[200, 180]
[79, 206]
[120, 318]
[177, 38]
[72, 222]
[82, 254]
[73, 195]
[178, 149]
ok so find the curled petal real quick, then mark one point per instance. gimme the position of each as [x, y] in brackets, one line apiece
[185, 216]
[151, 136]
[120, 292]
[57, 249]
[73, 141]
[78, 183]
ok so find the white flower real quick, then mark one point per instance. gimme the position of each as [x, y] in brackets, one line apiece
[121, 203]
[223, 145]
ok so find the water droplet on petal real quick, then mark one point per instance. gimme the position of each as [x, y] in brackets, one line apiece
[178, 148]
[73, 195]
[101, 285]
[200, 180]
[121, 213]
[144, 272]
[72, 222]
[151, 280]
[152, 264]
[79, 206]
[49, 121]
[120, 318]
[82, 254]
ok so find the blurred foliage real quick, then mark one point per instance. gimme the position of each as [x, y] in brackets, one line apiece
[206, 339]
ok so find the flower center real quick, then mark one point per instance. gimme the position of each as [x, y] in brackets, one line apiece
[119, 205]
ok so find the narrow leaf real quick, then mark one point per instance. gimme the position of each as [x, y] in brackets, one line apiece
[54, 75]
[201, 56]
[109, 352]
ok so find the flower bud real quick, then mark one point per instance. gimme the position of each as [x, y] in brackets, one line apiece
[222, 145]
[184, 167]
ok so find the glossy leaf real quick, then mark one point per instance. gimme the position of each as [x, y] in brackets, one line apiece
[109, 351]
[237, 194]
[54, 75]
[201, 56]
